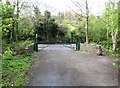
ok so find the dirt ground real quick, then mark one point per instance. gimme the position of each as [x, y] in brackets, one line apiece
[62, 66]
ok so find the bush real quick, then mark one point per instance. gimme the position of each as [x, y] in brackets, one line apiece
[20, 47]
[14, 68]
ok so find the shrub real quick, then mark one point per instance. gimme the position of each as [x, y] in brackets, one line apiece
[14, 68]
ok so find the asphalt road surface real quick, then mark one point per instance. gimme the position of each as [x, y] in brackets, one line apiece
[62, 66]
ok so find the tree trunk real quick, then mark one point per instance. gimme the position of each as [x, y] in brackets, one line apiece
[118, 34]
[107, 25]
[17, 17]
[87, 22]
[114, 45]
[114, 40]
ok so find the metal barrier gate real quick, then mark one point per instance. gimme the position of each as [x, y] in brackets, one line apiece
[36, 42]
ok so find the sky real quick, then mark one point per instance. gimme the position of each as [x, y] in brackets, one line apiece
[96, 6]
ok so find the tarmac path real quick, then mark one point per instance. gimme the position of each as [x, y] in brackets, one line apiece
[62, 66]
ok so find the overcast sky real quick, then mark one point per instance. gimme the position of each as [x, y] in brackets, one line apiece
[96, 6]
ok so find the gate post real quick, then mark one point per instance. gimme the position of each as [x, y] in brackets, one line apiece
[71, 38]
[35, 42]
[78, 44]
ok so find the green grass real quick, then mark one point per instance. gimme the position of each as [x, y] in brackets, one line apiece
[0, 69]
[15, 67]
[114, 56]
[14, 70]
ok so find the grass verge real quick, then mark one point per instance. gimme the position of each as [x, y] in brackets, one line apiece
[15, 68]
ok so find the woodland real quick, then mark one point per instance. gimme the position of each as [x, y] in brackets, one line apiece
[20, 21]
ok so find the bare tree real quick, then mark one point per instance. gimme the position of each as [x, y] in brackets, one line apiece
[17, 5]
[85, 14]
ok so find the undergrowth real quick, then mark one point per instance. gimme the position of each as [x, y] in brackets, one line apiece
[15, 68]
